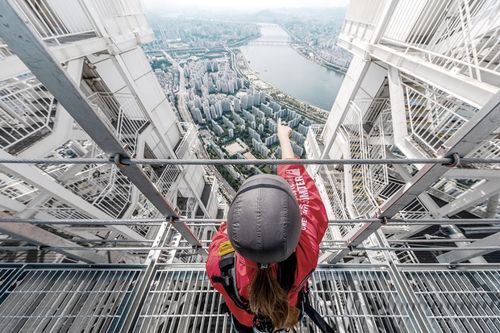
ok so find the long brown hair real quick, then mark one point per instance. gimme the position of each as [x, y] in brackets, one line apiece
[268, 298]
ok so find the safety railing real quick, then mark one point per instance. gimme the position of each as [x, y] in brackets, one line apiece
[70, 149]
[393, 185]
[17, 189]
[167, 181]
[330, 183]
[362, 200]
[121, 16]
[460, 36]
[122, 115]
[27, 112]
[103, 186]
[334, 186]
[451, 189]
[311, 144]
[58, 21]
[377, 175]
[145, 209]
[415, 210]
[55, 208]
[432, 115]
[190, 208]
[372, 109]
[115, 197]
[361, 20]
[490, 149]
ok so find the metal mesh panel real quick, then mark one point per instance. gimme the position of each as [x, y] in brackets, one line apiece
[458, 301]
[182, 302]
[356, 300]
[66, 299]
[5, 275]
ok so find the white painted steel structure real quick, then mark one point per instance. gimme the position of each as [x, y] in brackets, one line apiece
[99, 45]
[424, 82]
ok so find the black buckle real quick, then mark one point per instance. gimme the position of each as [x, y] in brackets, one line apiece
[226, 262]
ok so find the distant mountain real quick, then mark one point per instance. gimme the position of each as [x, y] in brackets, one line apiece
[266, 15]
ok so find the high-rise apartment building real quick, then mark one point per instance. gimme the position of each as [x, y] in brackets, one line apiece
[412, 244]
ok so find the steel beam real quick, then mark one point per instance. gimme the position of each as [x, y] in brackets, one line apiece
[13, 66]
[34, 176]
[355, 77]
[474, 92]
[424, 198]
[398, 115]
[467, 138]
[491, 208]
[22, 39]
[141, 291]
[471, 198]
[354, 238]
[462, 255]
[472, 174]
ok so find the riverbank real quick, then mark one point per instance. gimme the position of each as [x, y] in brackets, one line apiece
[305, 50]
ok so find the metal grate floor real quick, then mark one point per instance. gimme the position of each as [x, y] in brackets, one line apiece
[363, 300]
[353, 298]
[5, 275]
[356, 300]
[66, 299]
[457, 301]
[181, 301]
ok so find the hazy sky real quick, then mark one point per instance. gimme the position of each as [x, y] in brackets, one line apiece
[241, 4]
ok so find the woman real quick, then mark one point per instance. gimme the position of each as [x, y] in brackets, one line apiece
[261, 259]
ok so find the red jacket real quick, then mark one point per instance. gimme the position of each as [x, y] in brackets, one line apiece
[314, 224]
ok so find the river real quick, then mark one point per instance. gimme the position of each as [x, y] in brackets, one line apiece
[287, 70]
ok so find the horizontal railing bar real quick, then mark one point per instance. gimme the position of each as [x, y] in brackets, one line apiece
[117, 241]
[155, 222]
[441, 240]
[125, 161]
[170, 248]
